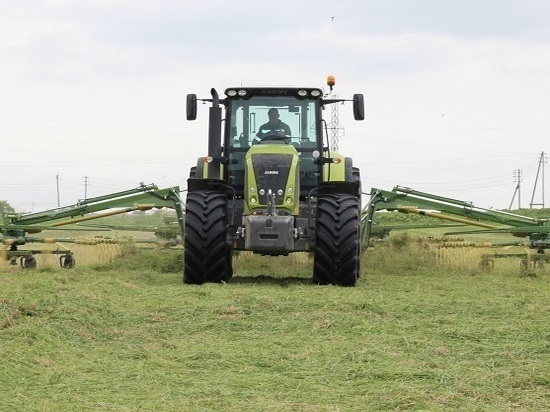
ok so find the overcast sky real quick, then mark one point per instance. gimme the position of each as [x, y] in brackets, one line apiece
[457, 92]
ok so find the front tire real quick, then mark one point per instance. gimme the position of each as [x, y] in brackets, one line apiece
[337, 245]
[207, 256]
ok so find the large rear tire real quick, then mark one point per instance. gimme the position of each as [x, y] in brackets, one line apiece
[207, 256]
[337, 244]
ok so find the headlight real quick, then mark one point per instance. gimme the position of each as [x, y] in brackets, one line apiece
[231, 93]
[302, 93]
[242, 92]
[280, 192]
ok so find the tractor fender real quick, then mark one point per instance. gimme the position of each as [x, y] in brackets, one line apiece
[352, 188]
[194, 184]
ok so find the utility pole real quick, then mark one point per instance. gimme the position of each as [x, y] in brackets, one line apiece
[57, 184]
[517, 179]
[85, 187]
[334, 126]
[542, 161]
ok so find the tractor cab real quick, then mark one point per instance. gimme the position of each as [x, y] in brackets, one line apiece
[276, 116]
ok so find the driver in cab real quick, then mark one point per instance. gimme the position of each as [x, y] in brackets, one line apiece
[274, 127]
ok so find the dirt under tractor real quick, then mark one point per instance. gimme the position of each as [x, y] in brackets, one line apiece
[272, 187]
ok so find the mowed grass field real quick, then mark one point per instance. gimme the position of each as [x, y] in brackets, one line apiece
[412, 336]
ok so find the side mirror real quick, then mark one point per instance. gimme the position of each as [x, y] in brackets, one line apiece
[358, 107]
[191, 106]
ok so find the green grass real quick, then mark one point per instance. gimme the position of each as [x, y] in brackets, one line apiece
[409, 337]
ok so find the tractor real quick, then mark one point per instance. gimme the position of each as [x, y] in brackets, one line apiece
[272, 189]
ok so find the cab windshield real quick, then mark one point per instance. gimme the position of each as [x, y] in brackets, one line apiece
[250, 119]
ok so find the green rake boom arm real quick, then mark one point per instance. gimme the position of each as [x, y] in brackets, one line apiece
[406, 200]
[144, 197]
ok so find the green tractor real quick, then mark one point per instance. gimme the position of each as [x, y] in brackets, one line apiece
[272, 188]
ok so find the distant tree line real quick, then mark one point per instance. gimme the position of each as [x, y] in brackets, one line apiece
[5, 207]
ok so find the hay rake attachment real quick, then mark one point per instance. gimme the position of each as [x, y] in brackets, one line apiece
[15, 228]
[536, 232]
[406, 200]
